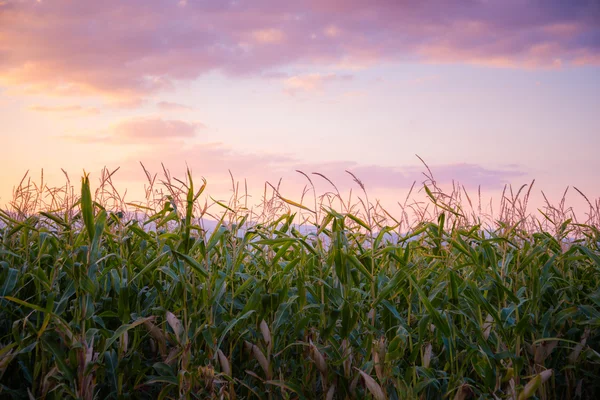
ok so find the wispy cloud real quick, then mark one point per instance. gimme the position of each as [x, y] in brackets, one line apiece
[155, 128]
[157, 43]
[169, 106]
[215, 160]
[65, 109]
[148, 131]
[311, 82]
[423, 79]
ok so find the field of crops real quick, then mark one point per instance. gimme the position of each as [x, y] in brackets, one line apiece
[298, 301]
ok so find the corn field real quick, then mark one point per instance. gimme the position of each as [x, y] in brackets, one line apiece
[298, 302]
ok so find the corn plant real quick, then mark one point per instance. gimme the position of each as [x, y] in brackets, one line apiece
[100, 298]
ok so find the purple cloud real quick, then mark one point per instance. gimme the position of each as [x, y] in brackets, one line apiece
[215, 160]
[126, 50]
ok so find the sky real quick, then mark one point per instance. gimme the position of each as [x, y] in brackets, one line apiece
[488, 92]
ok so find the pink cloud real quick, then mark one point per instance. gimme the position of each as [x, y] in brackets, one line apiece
[169, 106]
[268, 36]
[148, 130]
[215, 160]
[152, 128]
[332, 31]
[124, 51]
[387, 177]
[311, 82]
[423, 79]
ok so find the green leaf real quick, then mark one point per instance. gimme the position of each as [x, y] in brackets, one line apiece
[59, 359]
[122, 329]
[87, 206]
[233, 323]
[192, 263]
[10, 282]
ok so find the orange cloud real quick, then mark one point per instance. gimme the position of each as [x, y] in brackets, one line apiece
[311, 82]
[65, 109]
[332, 31]
[269, 36]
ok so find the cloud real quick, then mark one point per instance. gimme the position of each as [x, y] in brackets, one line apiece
[388, 177]
[126, 51]
[268, 36]
[65, 109]
[423, 79]
[215, 160]
[311, 82]
[168, 106]
[332, 31]
[153, 128]
[147, 130]
[473, 175]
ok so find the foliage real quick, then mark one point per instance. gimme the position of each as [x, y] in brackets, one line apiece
[96, 303]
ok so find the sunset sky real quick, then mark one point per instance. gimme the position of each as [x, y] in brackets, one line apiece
[487, 92]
